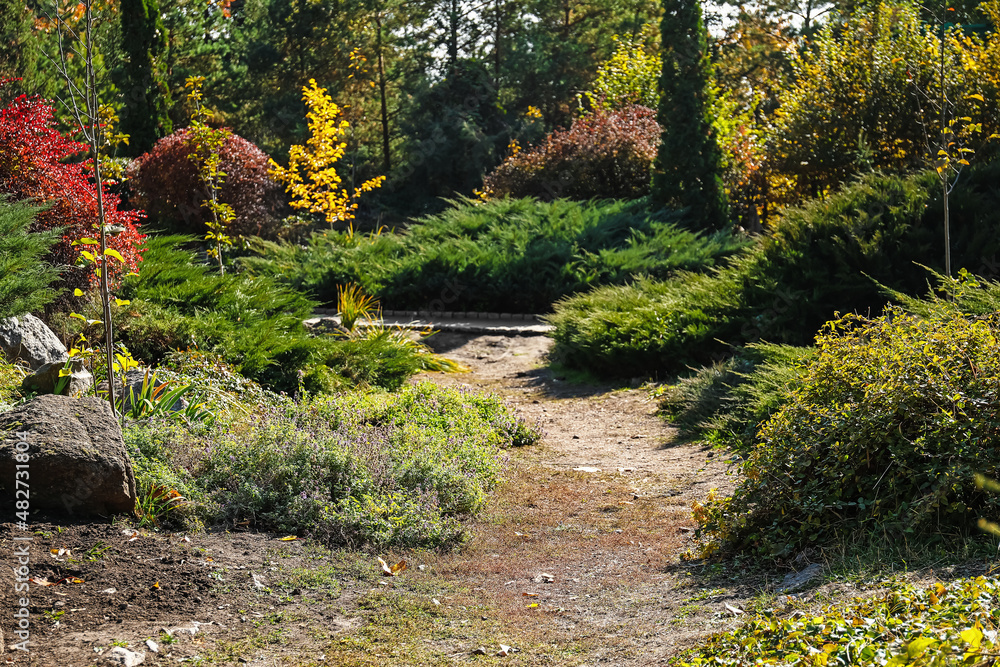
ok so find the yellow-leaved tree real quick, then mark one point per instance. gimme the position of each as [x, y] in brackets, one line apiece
[311, 176]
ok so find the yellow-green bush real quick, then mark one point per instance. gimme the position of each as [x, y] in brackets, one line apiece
[887, 428]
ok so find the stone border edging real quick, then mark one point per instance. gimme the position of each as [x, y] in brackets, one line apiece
[446, 315]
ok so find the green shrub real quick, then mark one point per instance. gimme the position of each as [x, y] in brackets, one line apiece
[638, 329]
[941, 624]
[377, 468]
[832, 255]
[252, 323]
[10, 383]
[726, 401]
[516, 255]
[24, 277]
[886, 429]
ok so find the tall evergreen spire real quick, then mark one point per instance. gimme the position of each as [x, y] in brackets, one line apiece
[687, 172]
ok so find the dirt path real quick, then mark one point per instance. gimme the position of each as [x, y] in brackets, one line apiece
[602, 504]
[577, 560]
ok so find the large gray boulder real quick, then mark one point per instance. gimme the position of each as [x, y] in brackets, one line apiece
[26, 338]
[76, 460]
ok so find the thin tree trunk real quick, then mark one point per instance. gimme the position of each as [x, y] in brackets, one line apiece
[93, 105]
[386, 156]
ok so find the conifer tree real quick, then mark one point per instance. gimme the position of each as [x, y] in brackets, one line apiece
[688, 168]
[140, 77]
[18, 49]
[24, 277]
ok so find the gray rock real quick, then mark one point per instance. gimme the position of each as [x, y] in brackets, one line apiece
[796, 580]
[26, 338]
[76, 456]
[120, 655]
[46, 379]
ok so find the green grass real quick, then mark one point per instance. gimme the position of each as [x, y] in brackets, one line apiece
[510, 255]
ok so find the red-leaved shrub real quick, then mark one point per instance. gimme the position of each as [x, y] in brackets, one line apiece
[32, 155]
[607, 154]
[169, 189]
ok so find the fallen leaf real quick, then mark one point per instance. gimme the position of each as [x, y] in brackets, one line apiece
[504, 651]
[736, 611]
[530, 595]
[290, 538]
[392, 570]
[532, 605]
[156, 585]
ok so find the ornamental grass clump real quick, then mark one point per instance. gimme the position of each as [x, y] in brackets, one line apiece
[885, 431]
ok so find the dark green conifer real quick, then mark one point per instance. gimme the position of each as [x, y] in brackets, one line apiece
[140, 76]
[18, 48]
[24, 277]
[688, 167]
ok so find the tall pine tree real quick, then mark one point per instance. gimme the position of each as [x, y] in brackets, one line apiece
[18, 48]
[141, 78]
[688, 168]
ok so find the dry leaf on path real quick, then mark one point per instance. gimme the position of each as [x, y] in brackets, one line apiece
[392, 570]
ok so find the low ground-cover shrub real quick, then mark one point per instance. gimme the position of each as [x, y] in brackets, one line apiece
[24, 278]
[830, 256]
[646, 326]
[887, 428]
[251, 322]
[516, 255]
[942, 624]
[726, 401]
[361, 467]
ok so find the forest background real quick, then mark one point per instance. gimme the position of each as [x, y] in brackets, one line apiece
[438, 93]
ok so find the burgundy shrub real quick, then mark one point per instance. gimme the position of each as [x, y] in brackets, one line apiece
[169, 189]
[606, 154]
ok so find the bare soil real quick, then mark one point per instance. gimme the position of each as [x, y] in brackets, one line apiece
[578, 559]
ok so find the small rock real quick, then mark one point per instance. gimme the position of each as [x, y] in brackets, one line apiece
[152, 646]
[120, 655]
[46, 377]
[576, 437]
[587, 469]
[297, 591]
[799, 579]
[480, 651]
[544, 578]
[109, 591]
